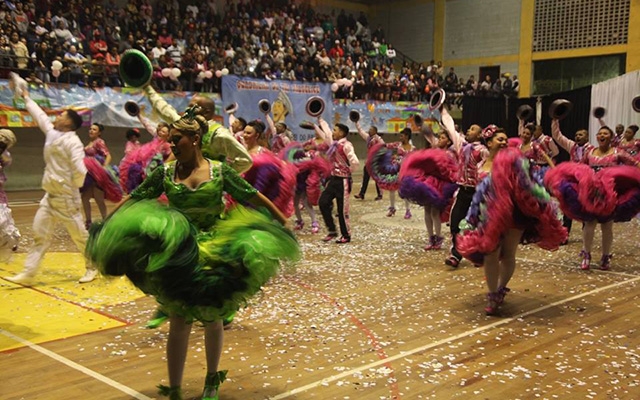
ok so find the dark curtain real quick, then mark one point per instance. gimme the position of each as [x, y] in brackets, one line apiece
[482, 111]
[577, 119]
[501, 111]
[511, 125]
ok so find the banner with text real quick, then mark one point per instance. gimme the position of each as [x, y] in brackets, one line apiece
[288, 101]
[103, 105]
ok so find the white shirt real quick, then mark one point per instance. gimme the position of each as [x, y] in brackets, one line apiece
[158, 52]
[64, 170]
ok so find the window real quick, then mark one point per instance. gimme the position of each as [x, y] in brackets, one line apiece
[552, 76]
[572, 24]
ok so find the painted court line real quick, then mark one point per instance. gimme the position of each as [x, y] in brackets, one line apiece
[125, 389]
[447, 340]
[598, 270]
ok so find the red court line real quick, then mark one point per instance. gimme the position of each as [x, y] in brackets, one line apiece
[104, 314]
[393, 382]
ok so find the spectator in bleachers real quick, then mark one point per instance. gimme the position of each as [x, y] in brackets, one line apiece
[126, 44]
[112, 36]
[61, 33]
[165, 37]
[41, 30]
[188, 67]
[75, 62]
[337, 50]
[97, 71]
[97, 46]
[59, 18]
[485, 86]
[112, 70]
[6, 56]
[496, 88]
[507, 85]
[256, 39]
[42, 58]
[158, 50]
[174, 51]
[471, 86]
[20, 18]
[20, 51]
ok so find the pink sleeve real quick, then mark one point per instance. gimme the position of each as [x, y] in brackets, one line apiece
[354, 162]
[626, 158]
[101, 147]
[146, 122]
[272, 127]
[557, 135]
[326, 130]
[552, 147]
[364, 135]
[520, 127]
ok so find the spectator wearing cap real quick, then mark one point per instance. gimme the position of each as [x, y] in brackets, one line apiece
[336, 51]
[133, 141]
[98, 71]
[97, 46]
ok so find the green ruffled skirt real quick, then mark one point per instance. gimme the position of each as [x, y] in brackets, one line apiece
[201, 276]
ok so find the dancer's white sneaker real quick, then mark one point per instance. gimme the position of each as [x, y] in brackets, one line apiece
[24, 278]
[89, 275]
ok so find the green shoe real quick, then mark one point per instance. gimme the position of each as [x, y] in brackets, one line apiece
[228, 319]
[158, 319]
[211, 384]
[174, 393]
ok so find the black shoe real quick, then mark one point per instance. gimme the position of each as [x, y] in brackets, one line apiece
[359, 196]
[378, 198]
[452, 261]
[343, 240]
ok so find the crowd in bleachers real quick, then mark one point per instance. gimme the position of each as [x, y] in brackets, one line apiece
[192, 44]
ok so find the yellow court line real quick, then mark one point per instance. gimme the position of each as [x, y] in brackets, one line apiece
[42, 318]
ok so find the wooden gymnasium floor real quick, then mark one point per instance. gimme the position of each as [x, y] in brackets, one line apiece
[375, 319]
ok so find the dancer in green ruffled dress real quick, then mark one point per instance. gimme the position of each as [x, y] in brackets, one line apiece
[198, 263]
